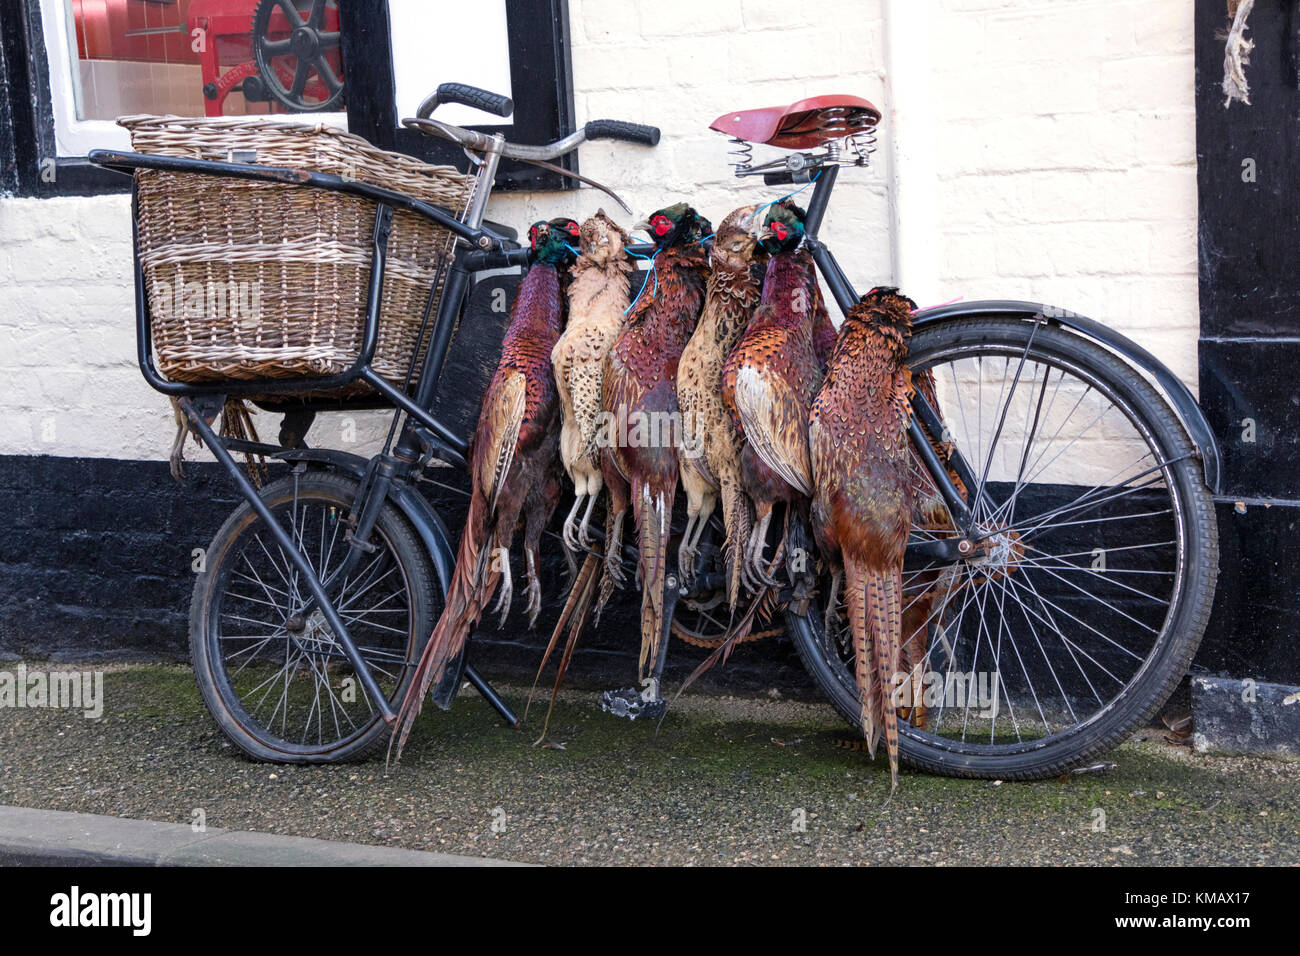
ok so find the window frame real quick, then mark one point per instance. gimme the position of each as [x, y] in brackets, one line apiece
[541, 74]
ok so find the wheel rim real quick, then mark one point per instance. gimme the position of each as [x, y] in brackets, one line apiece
[283, 676]
[298, 58]
[1065, 612]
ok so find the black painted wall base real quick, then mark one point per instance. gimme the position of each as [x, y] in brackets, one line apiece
[97, 559]
[97, 562]
[1253, 630]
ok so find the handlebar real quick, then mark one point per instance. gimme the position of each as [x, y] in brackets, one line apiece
[502, 106]
[620, 129]
[466, 95]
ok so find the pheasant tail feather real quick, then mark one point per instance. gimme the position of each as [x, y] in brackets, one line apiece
[737, 519]
[874, 602]
[464, 603]
[573, 617]
[653, 512]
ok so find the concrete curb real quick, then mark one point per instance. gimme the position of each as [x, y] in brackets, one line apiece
[54, 837]
[1245, 716]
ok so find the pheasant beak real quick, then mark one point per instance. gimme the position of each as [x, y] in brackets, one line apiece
[642, 226]
[762, 234]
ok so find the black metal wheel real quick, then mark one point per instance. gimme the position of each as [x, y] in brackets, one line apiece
[1074, 621]
[278, 683]
[297, 47]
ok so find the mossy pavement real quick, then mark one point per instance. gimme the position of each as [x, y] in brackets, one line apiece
[726, 780]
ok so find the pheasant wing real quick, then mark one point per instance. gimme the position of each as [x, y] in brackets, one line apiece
[774, 416]
[503, 417]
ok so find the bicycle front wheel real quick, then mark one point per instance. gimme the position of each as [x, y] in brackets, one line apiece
[279, 684]
[1078, 616]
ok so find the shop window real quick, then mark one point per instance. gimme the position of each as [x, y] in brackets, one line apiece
[74, 66]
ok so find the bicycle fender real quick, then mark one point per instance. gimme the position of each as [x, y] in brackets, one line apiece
[1166, 382]
[423, 518]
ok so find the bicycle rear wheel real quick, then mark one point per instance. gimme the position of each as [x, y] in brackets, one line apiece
[1076, 622]
[279, 686]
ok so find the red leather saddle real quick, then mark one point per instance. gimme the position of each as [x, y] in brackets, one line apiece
[802, 125]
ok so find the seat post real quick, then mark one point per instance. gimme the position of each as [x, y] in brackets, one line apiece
[821, 198]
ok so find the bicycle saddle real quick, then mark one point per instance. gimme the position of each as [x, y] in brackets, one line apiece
[801, 125]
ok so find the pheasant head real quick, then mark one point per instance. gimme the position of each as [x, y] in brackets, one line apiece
[551, 242]
[676, 225]
[885, 312]
[601, 239]
[782, 228]
[735, 243]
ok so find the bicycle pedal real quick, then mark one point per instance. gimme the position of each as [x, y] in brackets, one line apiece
[628, 702]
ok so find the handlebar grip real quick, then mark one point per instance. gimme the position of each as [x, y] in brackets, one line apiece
[479, 261]
[483, 100]
[618, 129]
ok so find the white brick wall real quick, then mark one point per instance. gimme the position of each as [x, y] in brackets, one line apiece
[1066, 140]
[1066, 172]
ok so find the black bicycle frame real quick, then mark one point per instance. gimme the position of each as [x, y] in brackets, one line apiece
[384, 472]
[479, 249]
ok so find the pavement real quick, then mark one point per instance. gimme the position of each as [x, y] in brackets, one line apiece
[727, 780]
[30, 837]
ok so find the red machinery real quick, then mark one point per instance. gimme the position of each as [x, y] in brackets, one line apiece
[283, 52]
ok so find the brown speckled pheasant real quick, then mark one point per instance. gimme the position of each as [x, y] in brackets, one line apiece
[710, 455]
[864, 493]
[768, 383]
[598, 300]
[640, 399]
[514, 450]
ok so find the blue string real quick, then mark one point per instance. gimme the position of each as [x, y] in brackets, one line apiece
[652, 271]
[765, 205]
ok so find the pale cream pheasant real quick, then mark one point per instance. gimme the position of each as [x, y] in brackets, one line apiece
[598, 299]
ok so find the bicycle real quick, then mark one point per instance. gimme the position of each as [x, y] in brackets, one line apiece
[1086, 633]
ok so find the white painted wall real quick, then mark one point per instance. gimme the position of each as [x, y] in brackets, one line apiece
[1064, 170]
[1066, 144]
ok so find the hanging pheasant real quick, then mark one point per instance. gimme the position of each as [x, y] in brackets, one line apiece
[512, 457]
[639, 393]
[864, 493]
[768, 383]
[927, 590]
[710, 458]
[598, 300]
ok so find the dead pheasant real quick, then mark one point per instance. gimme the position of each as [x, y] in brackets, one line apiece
[598, 300]
[864, 493]
[710, 456]
[768, 383]
[639, 393]
[512, 456]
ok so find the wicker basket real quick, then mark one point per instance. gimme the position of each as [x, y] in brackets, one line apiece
[250, 280]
